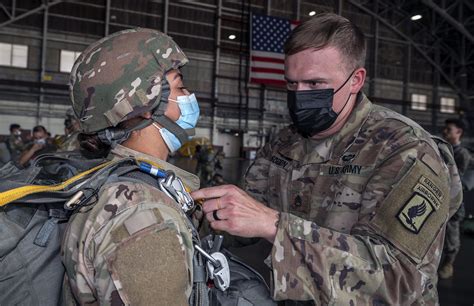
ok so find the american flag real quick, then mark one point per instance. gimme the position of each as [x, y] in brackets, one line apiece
[267, 60]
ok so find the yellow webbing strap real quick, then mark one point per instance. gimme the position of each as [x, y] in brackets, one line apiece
[20, 192]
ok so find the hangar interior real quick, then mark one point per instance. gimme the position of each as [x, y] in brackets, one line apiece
[420, 62]
[421, 68]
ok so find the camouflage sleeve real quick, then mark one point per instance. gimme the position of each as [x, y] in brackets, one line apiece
[391, 254]
[256, 177]
[142, 253]
[463, 161]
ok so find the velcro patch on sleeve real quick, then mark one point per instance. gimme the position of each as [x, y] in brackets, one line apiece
[431, 162]
[149, 269]
[414, 211]
[139, 221]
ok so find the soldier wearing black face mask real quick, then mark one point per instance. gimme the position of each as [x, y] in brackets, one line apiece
[311, 110]
[354, 197]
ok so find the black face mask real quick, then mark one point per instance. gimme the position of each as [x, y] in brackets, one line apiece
[311, 110]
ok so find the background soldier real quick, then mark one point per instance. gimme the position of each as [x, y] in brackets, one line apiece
[453, 131]
[14, 143]
[41, 144]
[72, 128]
[133, 246]
[354, 197]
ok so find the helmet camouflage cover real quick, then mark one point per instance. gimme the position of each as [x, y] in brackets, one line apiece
[121, 76]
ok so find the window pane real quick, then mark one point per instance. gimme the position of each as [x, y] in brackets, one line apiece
[418, 102]
[66, 61]
[448, 105]
[5, 54]
[20, 56]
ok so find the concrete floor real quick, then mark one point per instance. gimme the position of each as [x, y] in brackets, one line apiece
[457, 291]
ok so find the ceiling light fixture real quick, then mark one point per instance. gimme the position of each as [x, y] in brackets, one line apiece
[416, 17]
[312, 13]
[232, 36]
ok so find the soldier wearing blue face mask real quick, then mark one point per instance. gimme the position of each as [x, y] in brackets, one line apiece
[123, 88]
[189, 110]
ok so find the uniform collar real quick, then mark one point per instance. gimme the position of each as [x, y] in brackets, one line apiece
[189, 179]
[307, 150]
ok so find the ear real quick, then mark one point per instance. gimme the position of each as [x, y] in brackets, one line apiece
[358, 80]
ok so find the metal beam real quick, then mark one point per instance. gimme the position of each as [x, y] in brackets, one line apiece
[5, 11]
[435, 103]
[13, 8]
[44, 49]
[406, 80]
[408, 39]
[166, 12]
[30, 12]
[458, 26]
[339, 7]
[107, 17]
[298, 9]
[375, 50]
[217, 57]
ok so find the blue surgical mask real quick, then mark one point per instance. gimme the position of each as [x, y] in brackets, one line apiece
[172, 142]
[189, 109]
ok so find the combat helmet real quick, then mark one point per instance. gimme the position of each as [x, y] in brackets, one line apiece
[122, 76]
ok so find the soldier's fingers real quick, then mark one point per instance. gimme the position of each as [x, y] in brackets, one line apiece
[222, 225]
[213, 204]
[212, 192]
[215, 215]
[208, 193]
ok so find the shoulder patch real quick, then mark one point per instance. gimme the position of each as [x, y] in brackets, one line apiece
[152, 255]
[414, 211]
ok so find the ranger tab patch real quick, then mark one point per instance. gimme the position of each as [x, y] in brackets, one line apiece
[415, 213]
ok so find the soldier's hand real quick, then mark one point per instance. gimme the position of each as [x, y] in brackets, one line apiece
[231, 209]
[37, 147]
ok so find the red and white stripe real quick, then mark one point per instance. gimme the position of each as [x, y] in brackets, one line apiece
[268, 67]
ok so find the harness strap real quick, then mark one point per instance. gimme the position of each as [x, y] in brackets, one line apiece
[20, 192]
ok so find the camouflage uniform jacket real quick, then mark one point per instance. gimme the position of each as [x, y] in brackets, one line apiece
[363, 211]
[71, 143]
[462, 158]
[133, 246]
[16, 146]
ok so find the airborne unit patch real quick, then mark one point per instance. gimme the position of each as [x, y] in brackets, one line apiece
[415, 213]
[425, 200]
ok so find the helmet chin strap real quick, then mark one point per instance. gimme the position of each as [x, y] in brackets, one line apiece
[164, 121]
[114, 136]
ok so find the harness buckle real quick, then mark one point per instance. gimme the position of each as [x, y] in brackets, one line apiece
[218, 268]
[173, 187]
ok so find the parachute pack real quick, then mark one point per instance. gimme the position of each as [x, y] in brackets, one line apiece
[35, 206]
